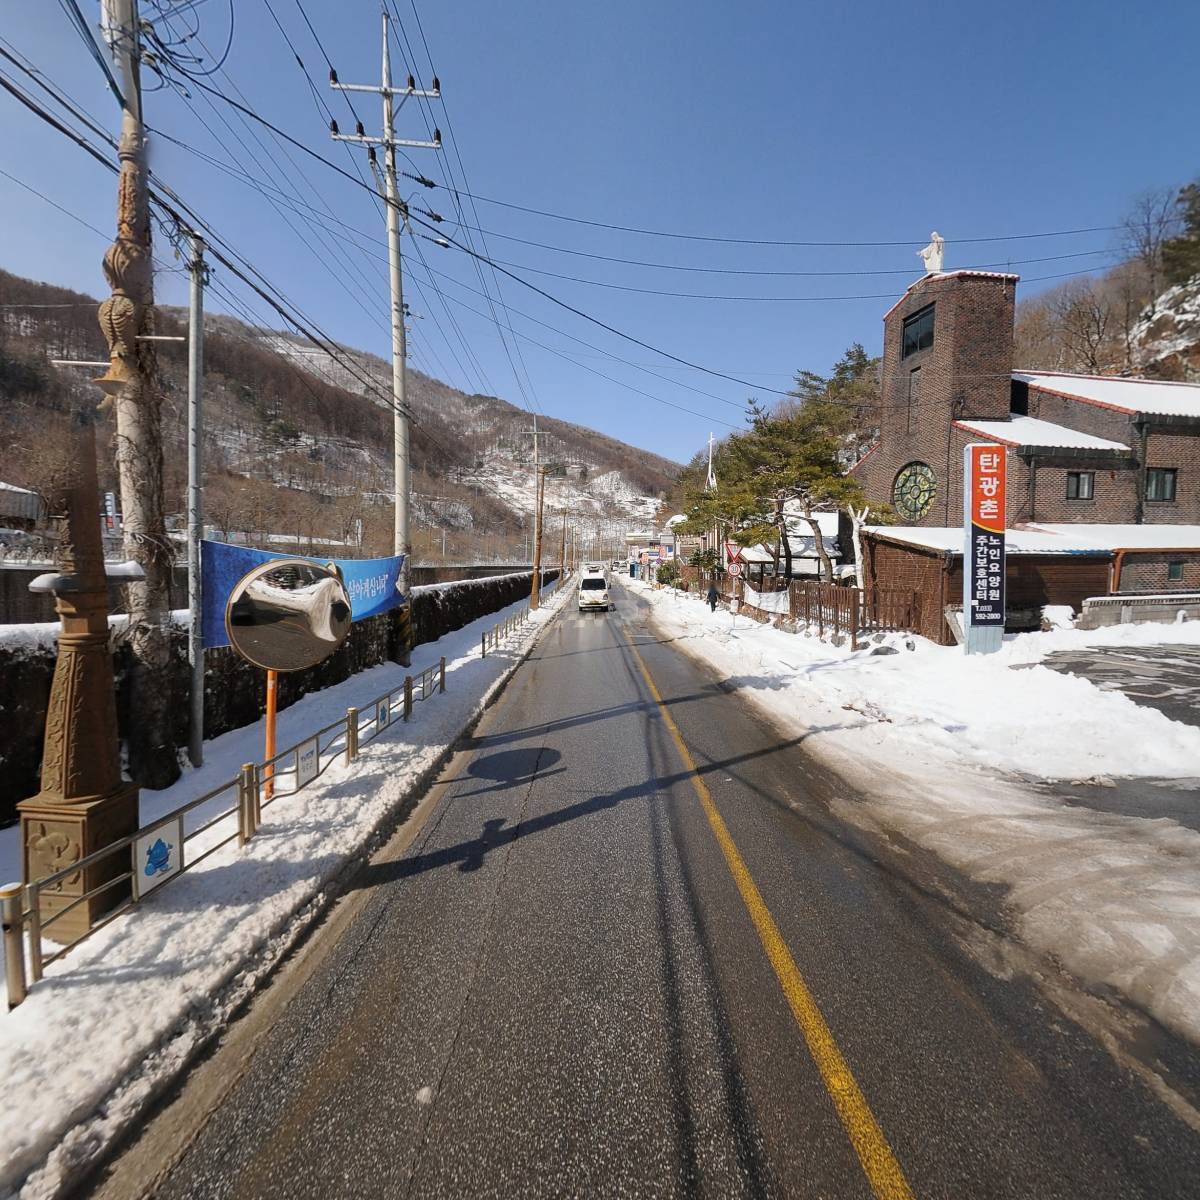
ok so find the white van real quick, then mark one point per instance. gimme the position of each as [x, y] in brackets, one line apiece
[593, 592]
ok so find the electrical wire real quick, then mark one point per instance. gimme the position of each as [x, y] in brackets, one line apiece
[80, 24]
[622, 287]
[453, 143]
[695, 237]
[637, 262]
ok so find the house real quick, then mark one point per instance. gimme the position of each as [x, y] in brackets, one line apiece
[1106, 456]
[19, 507]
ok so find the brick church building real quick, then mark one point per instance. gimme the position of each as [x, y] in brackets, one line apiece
[1103, 472]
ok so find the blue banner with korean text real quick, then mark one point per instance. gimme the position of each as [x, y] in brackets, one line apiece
[373, 583]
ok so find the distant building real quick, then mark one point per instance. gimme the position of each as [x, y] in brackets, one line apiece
[19, 507]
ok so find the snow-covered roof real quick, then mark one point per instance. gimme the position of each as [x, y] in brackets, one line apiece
[12, 487]
[1053, 538]
[1123, 395]
[1029, 431]
[677, 519]
[755, 554]
[827, 522]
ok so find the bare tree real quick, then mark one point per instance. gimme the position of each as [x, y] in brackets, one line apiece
[1152, 220]
[1085, 318]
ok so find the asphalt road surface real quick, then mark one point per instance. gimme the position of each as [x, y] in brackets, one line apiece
[630, 953]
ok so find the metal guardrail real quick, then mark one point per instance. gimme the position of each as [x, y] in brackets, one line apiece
[256, 786]
[492, 638]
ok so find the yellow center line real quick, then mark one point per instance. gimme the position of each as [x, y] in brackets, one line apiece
[882, 1169]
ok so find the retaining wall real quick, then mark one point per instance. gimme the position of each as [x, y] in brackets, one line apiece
[234, 691]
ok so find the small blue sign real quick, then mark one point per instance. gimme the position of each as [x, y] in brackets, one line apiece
[158, 857]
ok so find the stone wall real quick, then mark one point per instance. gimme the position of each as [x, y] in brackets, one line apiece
[234, 692]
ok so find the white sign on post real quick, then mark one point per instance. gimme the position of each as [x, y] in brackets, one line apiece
[157, 856]
[307, 762]
[384, 718]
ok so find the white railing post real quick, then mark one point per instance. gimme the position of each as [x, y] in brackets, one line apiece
[14, 942]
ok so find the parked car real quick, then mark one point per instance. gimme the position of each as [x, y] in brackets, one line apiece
[593, 592]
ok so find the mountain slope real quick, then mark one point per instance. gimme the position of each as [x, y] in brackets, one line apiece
[295, 441]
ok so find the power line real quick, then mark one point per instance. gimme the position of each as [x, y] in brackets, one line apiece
[453, 142]
[79, 22]
[696, 237]
[622, 287]
[637, 262]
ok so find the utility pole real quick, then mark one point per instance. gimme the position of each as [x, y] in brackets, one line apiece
[562, 549]
[535, 594]
[127, 322]
[395, 209]
[195, 510]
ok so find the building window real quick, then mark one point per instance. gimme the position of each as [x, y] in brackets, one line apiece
[1081, 485]
[918, 332]
[913, 490]
[914, 394]
[1174, 572]
[1160, 484]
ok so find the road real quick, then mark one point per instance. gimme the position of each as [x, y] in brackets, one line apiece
[630, 953]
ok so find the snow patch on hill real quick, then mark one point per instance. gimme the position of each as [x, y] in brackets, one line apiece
[1168, 336]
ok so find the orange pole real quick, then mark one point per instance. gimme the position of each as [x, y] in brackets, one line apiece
[272, 709]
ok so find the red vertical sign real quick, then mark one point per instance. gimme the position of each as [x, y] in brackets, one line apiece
[984, 478]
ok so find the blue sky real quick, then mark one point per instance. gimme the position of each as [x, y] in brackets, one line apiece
[855, 122]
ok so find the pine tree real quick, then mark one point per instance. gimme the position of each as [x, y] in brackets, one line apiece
[1181, 255]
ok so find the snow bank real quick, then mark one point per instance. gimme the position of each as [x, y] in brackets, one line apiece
[117, 1017]
[931, 740]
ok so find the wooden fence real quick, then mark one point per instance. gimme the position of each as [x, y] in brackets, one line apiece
[840, 611]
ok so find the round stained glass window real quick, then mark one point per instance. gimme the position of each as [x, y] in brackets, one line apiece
[914, 490]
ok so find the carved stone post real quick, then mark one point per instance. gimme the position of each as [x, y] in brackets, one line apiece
[84, 804]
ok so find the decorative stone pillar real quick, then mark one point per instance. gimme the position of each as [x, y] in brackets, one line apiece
[84, 803]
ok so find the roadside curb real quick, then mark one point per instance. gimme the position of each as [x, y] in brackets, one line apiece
[87, 1148]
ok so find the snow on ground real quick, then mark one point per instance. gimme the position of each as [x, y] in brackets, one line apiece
[935, 744]
[131, 1004]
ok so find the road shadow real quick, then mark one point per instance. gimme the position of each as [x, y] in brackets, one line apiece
[587, 718]
[496, 833]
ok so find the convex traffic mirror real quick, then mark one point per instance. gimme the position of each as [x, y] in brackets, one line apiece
[288, 614]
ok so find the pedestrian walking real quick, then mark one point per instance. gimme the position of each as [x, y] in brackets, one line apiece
[713, 596]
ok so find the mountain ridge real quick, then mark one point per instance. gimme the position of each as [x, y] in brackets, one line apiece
[295, 439]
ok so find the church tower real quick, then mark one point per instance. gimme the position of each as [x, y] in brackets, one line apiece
[947, 355]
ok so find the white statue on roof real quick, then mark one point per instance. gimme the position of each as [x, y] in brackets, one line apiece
[934, 254]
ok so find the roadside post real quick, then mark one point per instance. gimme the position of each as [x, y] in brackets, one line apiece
[14, 942]
[984, 485]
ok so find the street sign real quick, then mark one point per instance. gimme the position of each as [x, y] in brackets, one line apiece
[984, 486]
[307, 762]
[157, 856]
[735, 569]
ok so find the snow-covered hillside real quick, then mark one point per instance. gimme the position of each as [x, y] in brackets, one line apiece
[1168, 336]
[495, 436]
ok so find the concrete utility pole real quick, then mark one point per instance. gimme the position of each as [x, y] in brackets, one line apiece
[562, 549]
[396, 209]
[127, 321]
[195, 510]
[535, 595]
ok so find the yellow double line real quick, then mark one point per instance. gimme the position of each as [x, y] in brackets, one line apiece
[878, 1161]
